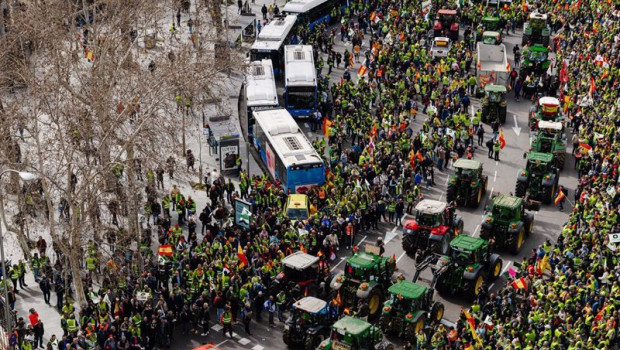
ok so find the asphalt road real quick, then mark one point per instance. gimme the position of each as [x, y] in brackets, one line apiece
[502, 178]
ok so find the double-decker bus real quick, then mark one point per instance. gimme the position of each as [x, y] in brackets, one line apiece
[300, 83]
[271, 41]
[259, 91]
[286, 151]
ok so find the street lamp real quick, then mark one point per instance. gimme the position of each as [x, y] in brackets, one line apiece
[27, 177]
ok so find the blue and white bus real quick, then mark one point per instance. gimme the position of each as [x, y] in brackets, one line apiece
[312, 12]
[286, 151]
[300, 83]
[259, 91]
[271, 41]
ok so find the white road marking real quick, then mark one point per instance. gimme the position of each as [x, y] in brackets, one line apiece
[496, 163]
[244, 341]
[307, 125]
[448, 323]
[361, 240]
[495, 176]
[506, 267]
[475, 230]
[390, 235]
[400, 257]
[220, 344]
[258, 347]
[236, 336]
[491, 193]
[440, 197]
[217, 327]
[447, 179]
[335, 266]
[491, 286]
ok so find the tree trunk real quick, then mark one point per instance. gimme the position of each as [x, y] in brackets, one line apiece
[134, 224]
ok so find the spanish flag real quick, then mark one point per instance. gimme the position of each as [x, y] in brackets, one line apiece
[165, 250]
[362, 71]
[560, 196]
[89, 55]
[519, 283]
[326, 125]
[243, 261]
[301, 247]
[338, 299]
[524, 5]
[469, 346]
[373, 15]
[502, 140]
[592, 86]
[585, 146]
[472, 325]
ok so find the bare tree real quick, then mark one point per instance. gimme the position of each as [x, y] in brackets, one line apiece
[95, 99]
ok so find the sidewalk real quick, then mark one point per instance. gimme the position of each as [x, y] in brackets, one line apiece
[32, 297]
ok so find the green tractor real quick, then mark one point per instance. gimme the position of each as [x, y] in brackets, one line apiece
[351, 333]
[536, 30]
[535, 61]
[546, 109]
[407, 310]
[494, 104]
[308, 324]
[550, 138]
[363, 284]
[489, 25]
[539, 180]
[468, 185]
[506, 224]
[465, 269]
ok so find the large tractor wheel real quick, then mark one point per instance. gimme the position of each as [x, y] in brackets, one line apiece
[440, 286]
[547, 194]
[475, 196]
[528, 222]
[450, 193]
[560, 159]
[520, 189]
[375, 301]
[286, 337]
[419, 324]
[437, 312]
[518, 239]
[502, 114]
[484, 115]
[496, 268]
[473, 287]
[384, 324]
[313, 341]
[409, 245]
[525, 39]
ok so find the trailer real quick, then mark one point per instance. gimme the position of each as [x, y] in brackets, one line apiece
[492, 65]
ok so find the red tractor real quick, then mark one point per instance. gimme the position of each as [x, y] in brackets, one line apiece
[447, 24]
[432, 228]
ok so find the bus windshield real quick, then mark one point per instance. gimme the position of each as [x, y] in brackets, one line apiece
[301, 97]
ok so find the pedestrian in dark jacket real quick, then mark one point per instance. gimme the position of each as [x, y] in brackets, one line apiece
[38, 334]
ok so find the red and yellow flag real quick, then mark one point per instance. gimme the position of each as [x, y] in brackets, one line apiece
[502, 140]
[326, 125]
[243, 261]
[519, 283]
[165, 250]
[592, 86]
[560, 196]
[362, 71]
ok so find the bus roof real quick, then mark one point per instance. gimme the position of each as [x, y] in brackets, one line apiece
[278, 29]
[301, 6]
[266, 45]
[299, 66]
[288, 141]
[260, 87]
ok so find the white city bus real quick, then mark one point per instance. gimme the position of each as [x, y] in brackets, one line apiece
[286, 152]
[271, 41]
[300, 82]
[259, 90]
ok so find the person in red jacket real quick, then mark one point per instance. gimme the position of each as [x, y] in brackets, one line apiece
[34, 317]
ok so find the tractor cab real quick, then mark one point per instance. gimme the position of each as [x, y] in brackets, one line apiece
[350, 333]
[536, 54]
[432, 214]
[538, 21]
[539, 164]
[491, 38]
[447, 24]
[466, 250]
[299, 275]
[494, 104]
[490, 23]
[547, 109]
[308, 323]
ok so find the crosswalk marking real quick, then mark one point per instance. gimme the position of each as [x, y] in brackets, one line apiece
[258, 347]
[236, 336]
[217, 327]
[244, 341]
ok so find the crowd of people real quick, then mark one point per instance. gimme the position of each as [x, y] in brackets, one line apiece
[207, 270]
